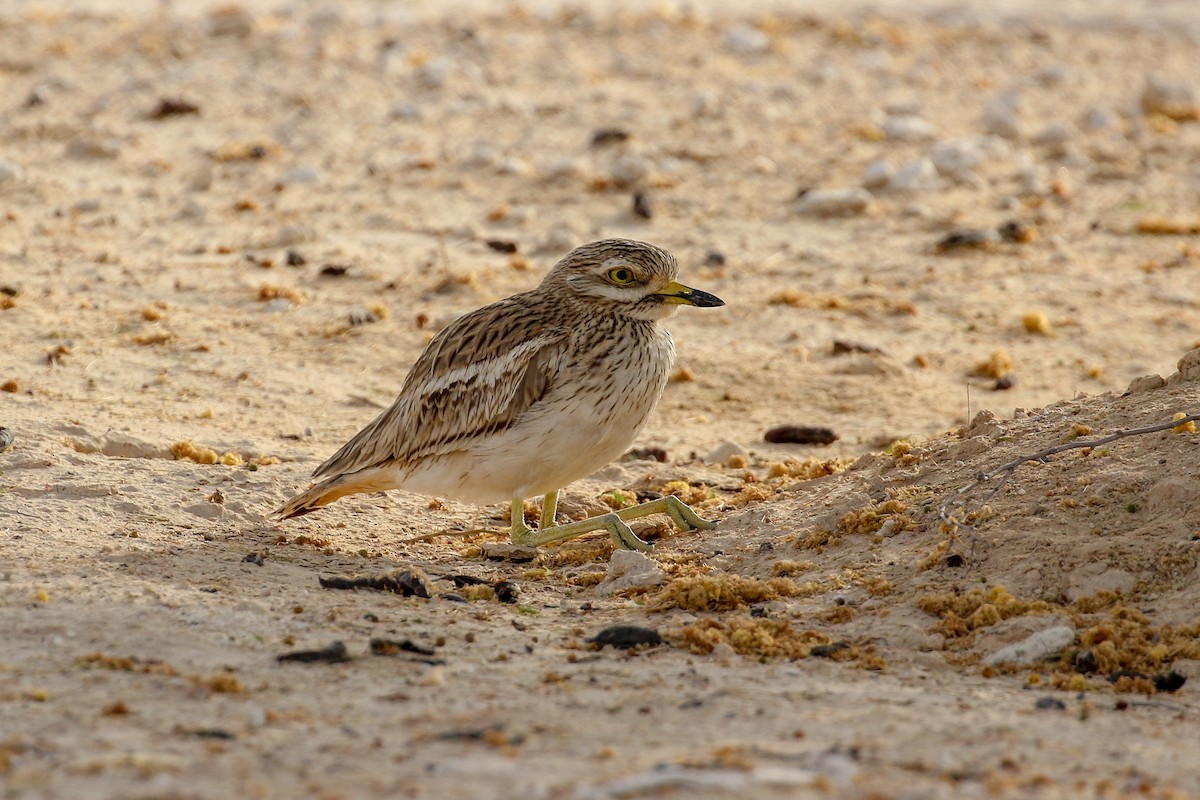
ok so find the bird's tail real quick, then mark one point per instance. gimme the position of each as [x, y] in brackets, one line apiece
[330, 489]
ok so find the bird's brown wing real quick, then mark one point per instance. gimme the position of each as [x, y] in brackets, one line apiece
[475, 378]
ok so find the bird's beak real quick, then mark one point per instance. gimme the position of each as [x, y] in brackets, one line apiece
[685, 295]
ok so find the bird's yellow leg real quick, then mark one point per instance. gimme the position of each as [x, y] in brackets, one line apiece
[622, 533]
[680, 512]
[549, 508]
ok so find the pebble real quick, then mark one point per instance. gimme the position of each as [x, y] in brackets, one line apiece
[1033, 648]
[629, 569]
[724, 451]
[191, 210]
[705, 104]
[304, 174]
[1052, 75]
[559, 239]
[561, 169]
[434, 74]
[1173, 99]
[747, 40]
[908, 128]
[834, 202]
[10, 173]
[87, 149]
[1054, 134]
[626, 636]
[293, 233]
[201, 180]
[916, 176]
[1099, 119]
[405, 111]
[629, 169]
[878, 173]
[1000, 116]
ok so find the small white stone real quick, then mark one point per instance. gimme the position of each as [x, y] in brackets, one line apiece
[1175, 99]
[293, 233]
[908, 128]
[956, 158]
[629, 169]
[302, 174]
[747, 40]
[629, 569]
[10, 173]
[916, 176]
[724, 451]
[513, 166]
[1054, 134]
[705, 104]
[434, 74]
[1099, 119]
[1000, 116]
[1033, 648]
[834, 202]
[878, 173]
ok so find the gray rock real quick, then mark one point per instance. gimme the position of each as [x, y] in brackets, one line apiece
[1146, 383]
[10, 173]
[724, 451]
[303, 174]
[916, 176]
[405, 111]
[88, 149]
[834, 202]
[878, 173]
[1033, 648]
[1174, 99]
[908, 128]
[629, 169]
[629, 569]
[1054, 134]
[1000, 117]
[747, 40]
[1099, 119]
[434, 74]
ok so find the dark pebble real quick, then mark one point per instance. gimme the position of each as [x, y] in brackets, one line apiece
[1015, 232]
[714, 258]
[828, 650]
[800, 434]
[1169, 682]
[766, 547]
[954, 561]
[843, 347]
[1113, 677]
[334, 270]
[506, 591]
[173, 108]
[295, 259]
[606, 136]
[648, 496]
[465, 580]
[402, 582]
[758, 612]
[624, 636]
[214, 733]
[254, 558]
[1086, 662]
[648, 454]
[1005, 383]
[333, 654]
[502, 246]
[641, 205]
[9, 291]
[1050, 704]
[389, 647]
[965, 239]
[369, 617]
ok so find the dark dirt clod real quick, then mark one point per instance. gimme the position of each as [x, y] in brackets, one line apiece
[389, 647]
[173, 107]
[843, 347]
[648, 496]
[954, 561]
[1169, 681]
[502, 245]
[1086, 662]
[255, 558]
[335, 653]
[714, 258]
[606, 136]
[647, 454]
[465, 580]
[800, 434]
[641, 205]
[294, 259]
[334, 271]
[1050, 704]
[624, 636]
[828, 650]
[409, 583]
[506, 591]
[1005, 383]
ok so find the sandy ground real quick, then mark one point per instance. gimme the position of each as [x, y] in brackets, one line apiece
[245, 277]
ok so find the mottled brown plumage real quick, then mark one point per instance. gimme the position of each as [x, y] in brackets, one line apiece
[525, 395]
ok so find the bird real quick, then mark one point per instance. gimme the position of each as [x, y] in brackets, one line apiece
[521, 397]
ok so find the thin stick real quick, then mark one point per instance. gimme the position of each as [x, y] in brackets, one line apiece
[1009, 468]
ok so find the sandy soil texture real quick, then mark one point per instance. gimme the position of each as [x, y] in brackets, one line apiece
[953, 241]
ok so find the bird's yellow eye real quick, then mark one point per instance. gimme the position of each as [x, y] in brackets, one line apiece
[621, 275]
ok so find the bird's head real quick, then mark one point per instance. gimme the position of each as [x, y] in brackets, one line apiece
[626, 277]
